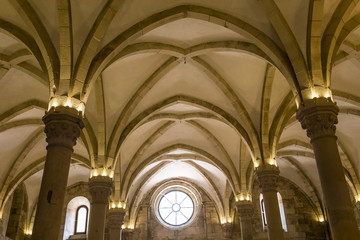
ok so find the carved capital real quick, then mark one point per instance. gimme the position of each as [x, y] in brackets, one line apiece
[267, 177]
[100, 188]
[62, 126]
[127, 233]
[227, 230]
[244, 209]
[116, 217]
[318, 116]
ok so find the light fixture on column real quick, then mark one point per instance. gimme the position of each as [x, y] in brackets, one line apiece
[67, 102]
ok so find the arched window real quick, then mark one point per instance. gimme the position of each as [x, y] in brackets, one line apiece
[281, 209]
[282, 212]
[263, 213]
[81, 220]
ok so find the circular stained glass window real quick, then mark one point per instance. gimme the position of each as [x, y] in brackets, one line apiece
[176, 208]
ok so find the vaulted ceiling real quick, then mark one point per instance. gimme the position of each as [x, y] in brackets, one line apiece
[197, 90]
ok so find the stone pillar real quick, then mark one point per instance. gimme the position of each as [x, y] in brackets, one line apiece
[245, 211]
[116, 219]
[27, 237]
[227, 230]
[100, 188]
[126, 234]
[319, 116]
[267, 176]
[62, 127]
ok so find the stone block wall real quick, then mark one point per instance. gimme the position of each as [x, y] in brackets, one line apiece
[5, 219]
[300, 217]
[206, 224]
[76, 190]
[301, 220]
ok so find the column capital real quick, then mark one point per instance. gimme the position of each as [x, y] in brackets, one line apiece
[227, 230]
[244, 209]
[267, 177]
[100, 188]
[318, 116]
[116, 217]
[62, 126]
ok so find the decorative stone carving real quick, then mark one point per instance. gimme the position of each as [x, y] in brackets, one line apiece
[116, 217]
[267, 177]
[127, 234]
[62, 126]
[227, 230]
[100, 188]
[244, 209]
[318, 116]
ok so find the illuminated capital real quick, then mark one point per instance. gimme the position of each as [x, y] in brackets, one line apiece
[318, 116]
[100, 188]
[62, 126]
[267, 177]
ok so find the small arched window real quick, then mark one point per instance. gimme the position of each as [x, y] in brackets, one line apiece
[281, 209]
[81, 219]
[282, 212]
[263, 213]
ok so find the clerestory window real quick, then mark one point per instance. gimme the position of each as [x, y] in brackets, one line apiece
[81, 220]
[176, 208]
[281, 209]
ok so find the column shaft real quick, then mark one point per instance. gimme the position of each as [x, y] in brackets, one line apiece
[245, 211]
[267, 176]
[336, 193]
[100, 189]
[116, 220]
[318, 117]
[62, 128]
[227, 230]
[273, 218]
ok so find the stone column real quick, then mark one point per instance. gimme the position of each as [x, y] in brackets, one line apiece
[100, 188]
[116, 219]
[62, 127]
[27, 237]
[126, 234]
[267, 176]
[319, 116]
[245, 211]
[227, 230]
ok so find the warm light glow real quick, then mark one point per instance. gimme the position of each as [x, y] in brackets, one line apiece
[55, 103]
[241, 197]
[68, 103]
[131, 227]
[95, 173]
[28, 232]
[256, 164]
[248, 197]
[123, 226]
[357, 199]
[321, 219]
[314, 93]
[104, 173]
[113, 205]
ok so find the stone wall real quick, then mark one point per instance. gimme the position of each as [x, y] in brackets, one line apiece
[5, 219]
[205, 226]
[76, 190]
[300, 218]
